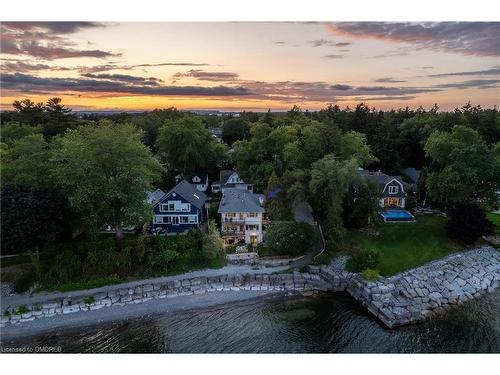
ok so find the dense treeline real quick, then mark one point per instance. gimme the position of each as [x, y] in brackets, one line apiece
[103, 165]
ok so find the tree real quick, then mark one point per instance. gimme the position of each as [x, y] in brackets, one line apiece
[361, 204]
[106, 172]
[329, 184]
[467, 222]
[58, 117]
[463, 167]
[28, 112]
[151, 122]
[31, 216]
[186, 146]
[27, 161]
[13, 131]
[354, 144]
[291, 238]
[235, 129]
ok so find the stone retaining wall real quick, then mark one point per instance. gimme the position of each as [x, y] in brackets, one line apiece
[408, 297]
[423, 292]
[169, 289]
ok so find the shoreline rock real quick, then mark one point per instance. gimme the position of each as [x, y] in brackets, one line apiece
[418, 294]
[409, 297]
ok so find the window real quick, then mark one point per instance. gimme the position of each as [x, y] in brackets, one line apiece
[251, 227]
[185, 207]
[184, 219]
[164, 207]
[193, 219]
[253, 214]
[393, 189]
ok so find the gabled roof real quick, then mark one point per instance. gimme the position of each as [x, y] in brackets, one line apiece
[202, 176]
[224, 176]
[239, 200]
[155, 196]
[381, 179]
[189, 193]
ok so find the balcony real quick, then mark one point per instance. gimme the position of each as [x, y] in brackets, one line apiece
[234, 220]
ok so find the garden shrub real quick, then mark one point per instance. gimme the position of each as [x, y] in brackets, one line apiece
[67, 267]
[89, 300]
[362, 260]
[105, 260]
[467, 222]
[25, 281]
[291, 238]
[371, 274]
[140, 249]
[161, 259]
[21, 310]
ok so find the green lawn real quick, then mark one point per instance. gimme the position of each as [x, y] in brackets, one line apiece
[406, 245]
[495, 218]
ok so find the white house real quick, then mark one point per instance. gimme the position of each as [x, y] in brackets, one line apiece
[241, 216]
[231, 180]
[199, 180]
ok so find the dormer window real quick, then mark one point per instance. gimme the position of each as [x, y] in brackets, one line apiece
[393, 189]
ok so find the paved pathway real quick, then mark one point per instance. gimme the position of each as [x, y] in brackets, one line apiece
[303, 213]
[20, 299]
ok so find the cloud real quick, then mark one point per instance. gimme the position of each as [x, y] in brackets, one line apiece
[388, 80]
[202, 75]
[279, 42]
[20, 66]
[324, 42]
[29, 83]
[492, 71]
[341, 87]
[475, 83]
[333, 56]
[114, 66]
[466, 38]
[46, 40]
[152, 81]
[52, 27]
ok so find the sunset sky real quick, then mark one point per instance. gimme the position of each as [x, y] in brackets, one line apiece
[251, 66]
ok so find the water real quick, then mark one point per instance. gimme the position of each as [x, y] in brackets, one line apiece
[329, 323]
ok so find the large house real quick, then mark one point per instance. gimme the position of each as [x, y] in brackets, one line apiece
[230, 179]
[180, 209]
[241, 216]
[392, 188]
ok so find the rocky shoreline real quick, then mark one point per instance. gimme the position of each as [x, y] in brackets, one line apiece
[409, 297]
[418, 294]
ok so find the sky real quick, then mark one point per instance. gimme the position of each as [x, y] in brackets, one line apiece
[250, 66]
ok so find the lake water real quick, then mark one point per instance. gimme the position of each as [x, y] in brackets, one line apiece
[328, 323]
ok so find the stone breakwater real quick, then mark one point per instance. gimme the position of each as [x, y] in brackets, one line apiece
[418, 294]
[167, 289]
[409, 297]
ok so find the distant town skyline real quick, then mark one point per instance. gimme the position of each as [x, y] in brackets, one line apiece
[255, 66]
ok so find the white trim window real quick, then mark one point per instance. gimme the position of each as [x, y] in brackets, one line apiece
[393, 189]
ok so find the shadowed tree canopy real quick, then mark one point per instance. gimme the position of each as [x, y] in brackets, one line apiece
[186, 146]
[464, 167]
[27, 161]
[107, 173]
[31, 216]
[235, 129]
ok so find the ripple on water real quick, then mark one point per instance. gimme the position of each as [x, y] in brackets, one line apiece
[329, 323]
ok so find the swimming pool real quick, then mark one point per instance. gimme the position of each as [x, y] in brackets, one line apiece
[397, 215]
